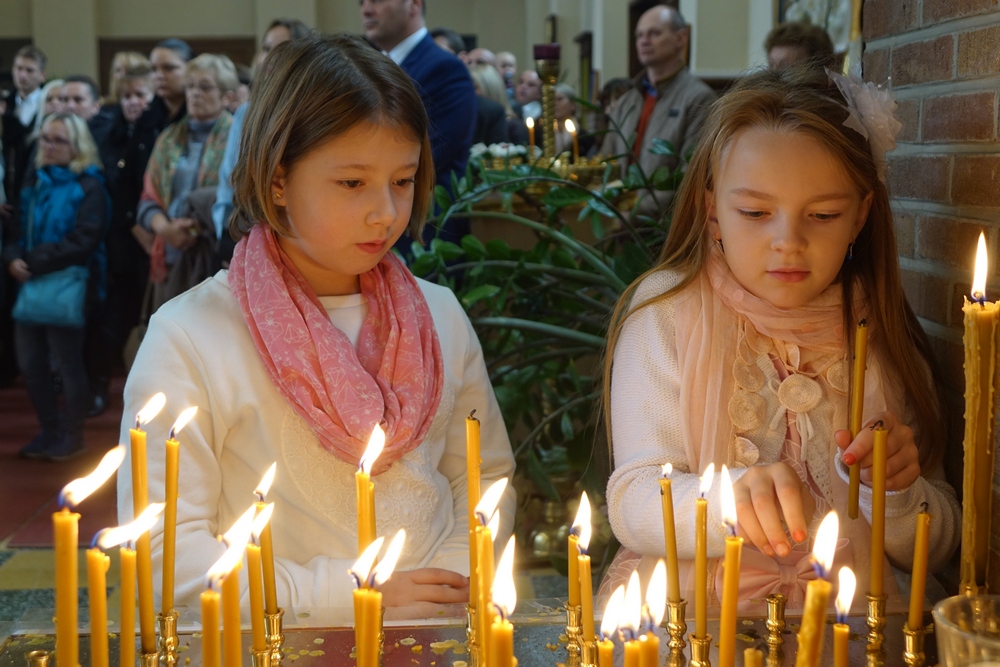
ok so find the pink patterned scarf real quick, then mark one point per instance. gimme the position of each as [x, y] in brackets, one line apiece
[395, 377]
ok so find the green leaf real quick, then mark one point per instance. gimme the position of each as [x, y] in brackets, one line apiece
[446, 250]
[473, 247]
[662, 147]
[566, 426]
[562, 257]
[597, 226]
[665, 179]
[498, 248]
[601, 208]
[478, 294]
[417, 249]
[561, 197]
[633, 178]
[540, 476]
[424, 264]
[442, 198]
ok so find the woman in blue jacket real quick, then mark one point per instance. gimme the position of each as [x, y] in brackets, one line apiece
[63, 218]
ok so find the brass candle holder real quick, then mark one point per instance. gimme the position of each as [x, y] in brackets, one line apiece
[775, 621]
[260, 658]
[876, 622]
[167, 642]
[547, 66]
[38, 658]
[588, 654]
[775, 657]
[470, 635]
[676, 658]
[913, 646]
[149, 660]
[574, 634]
[701, 648]
[676, 625]
[275, 634]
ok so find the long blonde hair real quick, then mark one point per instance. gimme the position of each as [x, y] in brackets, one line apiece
[81, 142]
[808, 102]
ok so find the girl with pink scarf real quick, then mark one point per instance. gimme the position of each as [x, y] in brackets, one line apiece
[735, 348]
[316, 334]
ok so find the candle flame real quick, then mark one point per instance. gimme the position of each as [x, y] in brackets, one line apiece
[826, 542]
[631, 616]
[728, 500]
[706, 480]
[530, 122]
[151, 409]
[504, 592]
[363, 566]
[375, 444]
[236, 539]
[77, 491]
[845, 595]
[494, 525]
[656, 594]
[260, 521]
[612, 612]
[489, 500]
[667, 468]
[266, 481]
[241, 530]
[982, 268]
[386, 566]
[581, 524]
[570, 126]
[112, 537]
[182, 421]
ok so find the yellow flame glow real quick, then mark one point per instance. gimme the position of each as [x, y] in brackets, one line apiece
[570, 126]
[631, 616]
[826, 541]
[667, 468]
[183, 420]
[656, 593]
[728, 499]
[375, 444]
[260, 521]
[504, 593]
[982, 268]
[494, 525]
[76, 491]
[706, 480]
[112, 537]
[151, 409]
[845, 595]
[363, 566]
[236, 539]
[386, 566]
[489, 501]
[266, 481]
[530, 122]
[613, 612]
[582, 522]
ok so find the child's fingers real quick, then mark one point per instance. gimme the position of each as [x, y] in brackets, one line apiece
[904, 478]
[436, 575]
[440, 594]
[789, 491]
[765, 504]
[861, 448]
[842, 438]
[749, 527]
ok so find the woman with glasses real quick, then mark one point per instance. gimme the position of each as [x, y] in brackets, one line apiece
[181, 178]
[63, 216]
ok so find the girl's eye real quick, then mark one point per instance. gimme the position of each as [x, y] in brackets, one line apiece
[351, 184]
[825, 217]
[752, 215]
[406, 182]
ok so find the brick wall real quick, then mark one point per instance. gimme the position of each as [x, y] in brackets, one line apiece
[944, 60]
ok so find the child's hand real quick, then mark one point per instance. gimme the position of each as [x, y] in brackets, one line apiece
[423, 590]
[764, 495]
[902, 466]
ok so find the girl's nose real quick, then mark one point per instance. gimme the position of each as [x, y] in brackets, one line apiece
[382, 207]
[788, 235]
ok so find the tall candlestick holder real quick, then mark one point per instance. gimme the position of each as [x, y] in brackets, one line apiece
[274, 634]
[574, 634]
[676, 658]
[38, 658]
[775, 621]
[471, 640]
[588, 653]
[260, 658]
[149, 660]
[701, 648]
[167, 642]
[676, 625]
[913, 646]
[775, 657]
[547, 65]
[876, 622]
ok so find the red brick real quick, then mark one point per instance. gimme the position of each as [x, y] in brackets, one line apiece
[948, 241]
[967, 117]
[908, 114]
[904, 225]
[875, 65]
[919, 177]
[978, 55]
[935, 11]
[888, 17]
[975, 179]
[923, 62]
[927, 294]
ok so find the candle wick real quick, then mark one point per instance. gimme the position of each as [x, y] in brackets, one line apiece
[260, 496]
[924, 507]
[172, 435]
[819, 569]
[138, 423]
[97, 536]
[472, 415]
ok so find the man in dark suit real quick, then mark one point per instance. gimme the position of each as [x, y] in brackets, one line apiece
[396, 27]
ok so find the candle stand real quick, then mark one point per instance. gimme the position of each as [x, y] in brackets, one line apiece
[274, 634]
[38, 658]
[676, 625]
[701, 649]
[470, 635]
[775, 657]
[876, 622]
[149, 660]
[574, 641]
[676, 658]
[913, 647]
[775, 620]
[589, 654]
[167, 641]
[260, 658]
[547, 66]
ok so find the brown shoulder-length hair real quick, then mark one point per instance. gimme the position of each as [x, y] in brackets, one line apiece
[311, 90]
[805, 100]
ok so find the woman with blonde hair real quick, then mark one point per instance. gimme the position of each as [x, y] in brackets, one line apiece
[490, 85]
[63, 216]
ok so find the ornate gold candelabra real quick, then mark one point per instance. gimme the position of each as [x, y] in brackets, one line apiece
[676, 625]
[547, 66]
[470, 635]
[913, 647]
[167, 642]
[588, 653]
[149, 660]
[574, 635]
[275, 635]
[260, 658]
[775, 620]
[38, 658]
[876, 622]
[701, 649]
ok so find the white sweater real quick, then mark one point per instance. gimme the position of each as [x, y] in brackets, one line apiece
[646, 432]
[198, 351]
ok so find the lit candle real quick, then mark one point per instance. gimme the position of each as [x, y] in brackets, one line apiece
[504, 600]
[530, 122]
[66, 536]
[368, 599]
[573, 570]
[656, 598]
[753, 658]
[126, 650]
[842, 631]
[701, 555]
[878, 509]
[97, 592]
[211, 646]
[817, 594]
[918, 578]
[730, 576]
[631, 618]
[981, 350]
[473, 462]
[173, 459]
[255, 574]
[571, 128]
[485, 510]
[583, 523]
[670, 535]
[266, 545]
[140, 498]
[223, 569]
[609, 624]
[857, 411]
[236, 539]
[366, 490]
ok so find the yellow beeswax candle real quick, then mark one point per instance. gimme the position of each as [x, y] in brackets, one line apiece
[670, 535]
[753, 658]
[605, 653]
[918, 578]
[810, 638]
[266, 544]
[367, 608]
[631, 619]
[365, 490]
[484, 616]
[140, 499]
[255, 574]
[731, 575]
[571, 128]
[857, 411]
[841, 631]
[875, 587]
[144, 580]
[97, 593]
[473, 462]
[701, 555]
[211, 647]
[232, 635]
[656, 599]
[583, 525]
[609, 625]
[170, 523]
[66, 529]
[501, 647]
[633, 653]
[530, 122]
[573, 573]
[841, 644]
[126, 651]
[649, 650]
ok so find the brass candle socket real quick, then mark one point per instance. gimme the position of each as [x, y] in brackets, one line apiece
[775, 657]
[775, 620]
[701, 649]
[876, 622]
[38, 658]
[471, 640]
[589, 654]
[913, 646]
[149, 660]
[676, 625]
[676, 658]
[260, 658]
[548, 72]
[574, 643]
[167, 642]
[275, 635]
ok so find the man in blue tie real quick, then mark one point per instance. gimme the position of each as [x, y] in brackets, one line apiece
[396, 27]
